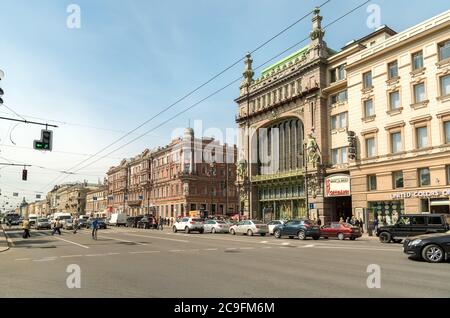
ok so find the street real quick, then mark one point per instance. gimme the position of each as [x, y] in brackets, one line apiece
[126, 262]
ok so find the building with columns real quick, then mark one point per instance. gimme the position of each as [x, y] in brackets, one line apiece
[363, 131]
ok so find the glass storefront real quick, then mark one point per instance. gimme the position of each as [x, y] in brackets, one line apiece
[386, 212]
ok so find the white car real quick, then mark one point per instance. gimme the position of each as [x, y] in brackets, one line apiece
[188, 224]
[216, 226]
[249, 227]
[273, 224]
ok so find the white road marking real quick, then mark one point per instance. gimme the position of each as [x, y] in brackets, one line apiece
[247, 248]
[9, 240]
[359, 248]
[158, 238]
[175, 251]
[113, 254]
[210, 249]
[120, 240]
[286, 243]
[309, 245]
[231, 248]
[23, 259]
[264, 242]
[61, 239]
[93, 255]
[46, 259]
[266, 247]
[145, 252]
[71, 256]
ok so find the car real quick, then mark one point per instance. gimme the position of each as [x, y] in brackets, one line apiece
[413, 225]
[42, 224]
[250, 227]
[101, 223]
[433, 248]
[82, 223]
[301, 229]
[68, 224]
[133, 220]
[147, 222]
[216, 226]
[188, 225]
[273, 224]
[340, 230]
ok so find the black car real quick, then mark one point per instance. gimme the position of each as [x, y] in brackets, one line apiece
[413, 225]
[82, 223]
[101, 223]
[147, 222]
[433, 248]
[297, 228]
[132, 221]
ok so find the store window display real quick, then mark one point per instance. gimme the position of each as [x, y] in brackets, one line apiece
[386, 212]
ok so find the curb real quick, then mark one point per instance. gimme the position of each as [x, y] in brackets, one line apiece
[4, 249]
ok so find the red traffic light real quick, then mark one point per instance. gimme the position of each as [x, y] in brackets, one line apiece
[24, 174]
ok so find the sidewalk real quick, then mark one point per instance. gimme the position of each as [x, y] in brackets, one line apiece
[4, 246]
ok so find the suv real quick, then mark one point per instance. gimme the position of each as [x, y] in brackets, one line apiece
[413, 225]
[188, 225]
[132, 221]
[147, 222]
[297, 228]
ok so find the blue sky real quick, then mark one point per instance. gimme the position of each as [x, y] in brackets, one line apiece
[130, 59]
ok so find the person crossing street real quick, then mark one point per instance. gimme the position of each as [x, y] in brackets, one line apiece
[94, 229]
[75, 225]
[26, 228]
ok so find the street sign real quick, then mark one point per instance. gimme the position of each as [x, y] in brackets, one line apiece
[311, 206]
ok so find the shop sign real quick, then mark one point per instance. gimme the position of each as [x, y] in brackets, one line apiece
[421, 194]
[337, 185]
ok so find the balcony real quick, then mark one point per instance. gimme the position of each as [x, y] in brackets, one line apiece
[279, 175]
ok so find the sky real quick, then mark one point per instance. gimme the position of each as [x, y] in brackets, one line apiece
[131, 59]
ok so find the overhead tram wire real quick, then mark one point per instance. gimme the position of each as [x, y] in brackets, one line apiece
[196, 89]
[221, 89]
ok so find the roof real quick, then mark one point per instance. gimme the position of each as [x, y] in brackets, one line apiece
[381, 29]
[286, 60]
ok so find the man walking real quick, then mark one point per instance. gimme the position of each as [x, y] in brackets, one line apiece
[26, 228]
[56, 227]
[161, 222]
[94, 228]
[75, 225]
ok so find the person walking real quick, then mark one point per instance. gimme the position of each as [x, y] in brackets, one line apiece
[375, 225]
[361, 225]
[161, 222]
[75, 225]
[26, 228]
[319, 222]
[56, 227]
[341, 220]
[94, 228]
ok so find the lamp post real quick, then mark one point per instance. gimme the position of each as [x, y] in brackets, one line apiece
[212, 175]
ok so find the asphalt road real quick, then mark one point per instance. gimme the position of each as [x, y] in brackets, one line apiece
[127, 262]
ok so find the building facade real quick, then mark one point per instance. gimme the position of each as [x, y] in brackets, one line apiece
[97, 202]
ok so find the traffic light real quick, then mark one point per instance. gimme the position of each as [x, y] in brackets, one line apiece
[45, 143]
[1, 90]
[351, 145]
[24, 174]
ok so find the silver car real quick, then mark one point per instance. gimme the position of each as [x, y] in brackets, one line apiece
[42, 224]
[250, 227]
[273, 224]
[216, 226]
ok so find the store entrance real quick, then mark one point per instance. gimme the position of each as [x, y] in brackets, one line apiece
[343, 208]
[440, 206]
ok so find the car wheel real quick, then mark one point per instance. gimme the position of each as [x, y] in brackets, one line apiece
[385, 237]
[433, 253]
[213, 231]
[277, 234]
[249, 233]
[263, 234]
[174, 229]
[301, 235]
[341, 236]
[186, 230]
[316, 238]
[232, 232]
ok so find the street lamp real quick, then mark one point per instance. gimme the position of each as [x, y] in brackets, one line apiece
[212, 175]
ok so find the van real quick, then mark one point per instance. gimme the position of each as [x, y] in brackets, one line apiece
[62, 217]
[32, 218]
[118, 219]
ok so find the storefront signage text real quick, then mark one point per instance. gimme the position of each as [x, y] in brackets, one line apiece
[337, 186]
[421, 194]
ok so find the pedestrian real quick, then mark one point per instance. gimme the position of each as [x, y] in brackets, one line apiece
[319, 222]
[161, 222]
[341, 220]
[166, 221]
[375, 225]
[56, 227]
[361, 225]
[75, 225]
[347, 220]
[26, 228]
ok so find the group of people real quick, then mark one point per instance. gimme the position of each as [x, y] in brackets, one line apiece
[57, 226]
[353, 221]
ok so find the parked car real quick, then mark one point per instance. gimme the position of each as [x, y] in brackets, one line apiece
[188, 225]
[101, 223]
[433, 248]
[43, 224]
[216, 226]
[82, 223]
[273, 224]
[413, 225]
[297, 228]
[68, 224]
[250, 227]
[133, 220]
[147, 222]
[340, 230]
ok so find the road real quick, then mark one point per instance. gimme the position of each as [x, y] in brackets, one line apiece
[126, 262]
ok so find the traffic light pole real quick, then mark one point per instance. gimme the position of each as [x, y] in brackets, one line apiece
[29, 122]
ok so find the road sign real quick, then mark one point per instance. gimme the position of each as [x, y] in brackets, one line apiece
[311, 206]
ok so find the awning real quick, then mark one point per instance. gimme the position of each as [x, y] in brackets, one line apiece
[440, 203]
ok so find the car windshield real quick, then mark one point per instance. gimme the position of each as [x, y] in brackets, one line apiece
[221, 222]
[197, 220]
[42, 220]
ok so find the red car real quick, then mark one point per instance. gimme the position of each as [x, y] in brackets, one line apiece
[340, 230]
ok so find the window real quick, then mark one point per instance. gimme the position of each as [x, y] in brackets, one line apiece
[394, 100]
[417, 60]
[447, 132]
[444, 50]
[339, 121]
[340, 72]
[421, 137]
[393, 69]
[339, 155]
[367, 80]
[417, 220]
[368, 108]
[370, 147]
[372, 182]
[397, 179]
[339, 97]
[419, 93]
[333, 76]
[448, 174]
[424, 205]
[396, 142]
[424, 177]
[436, 220]
[445, 85]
